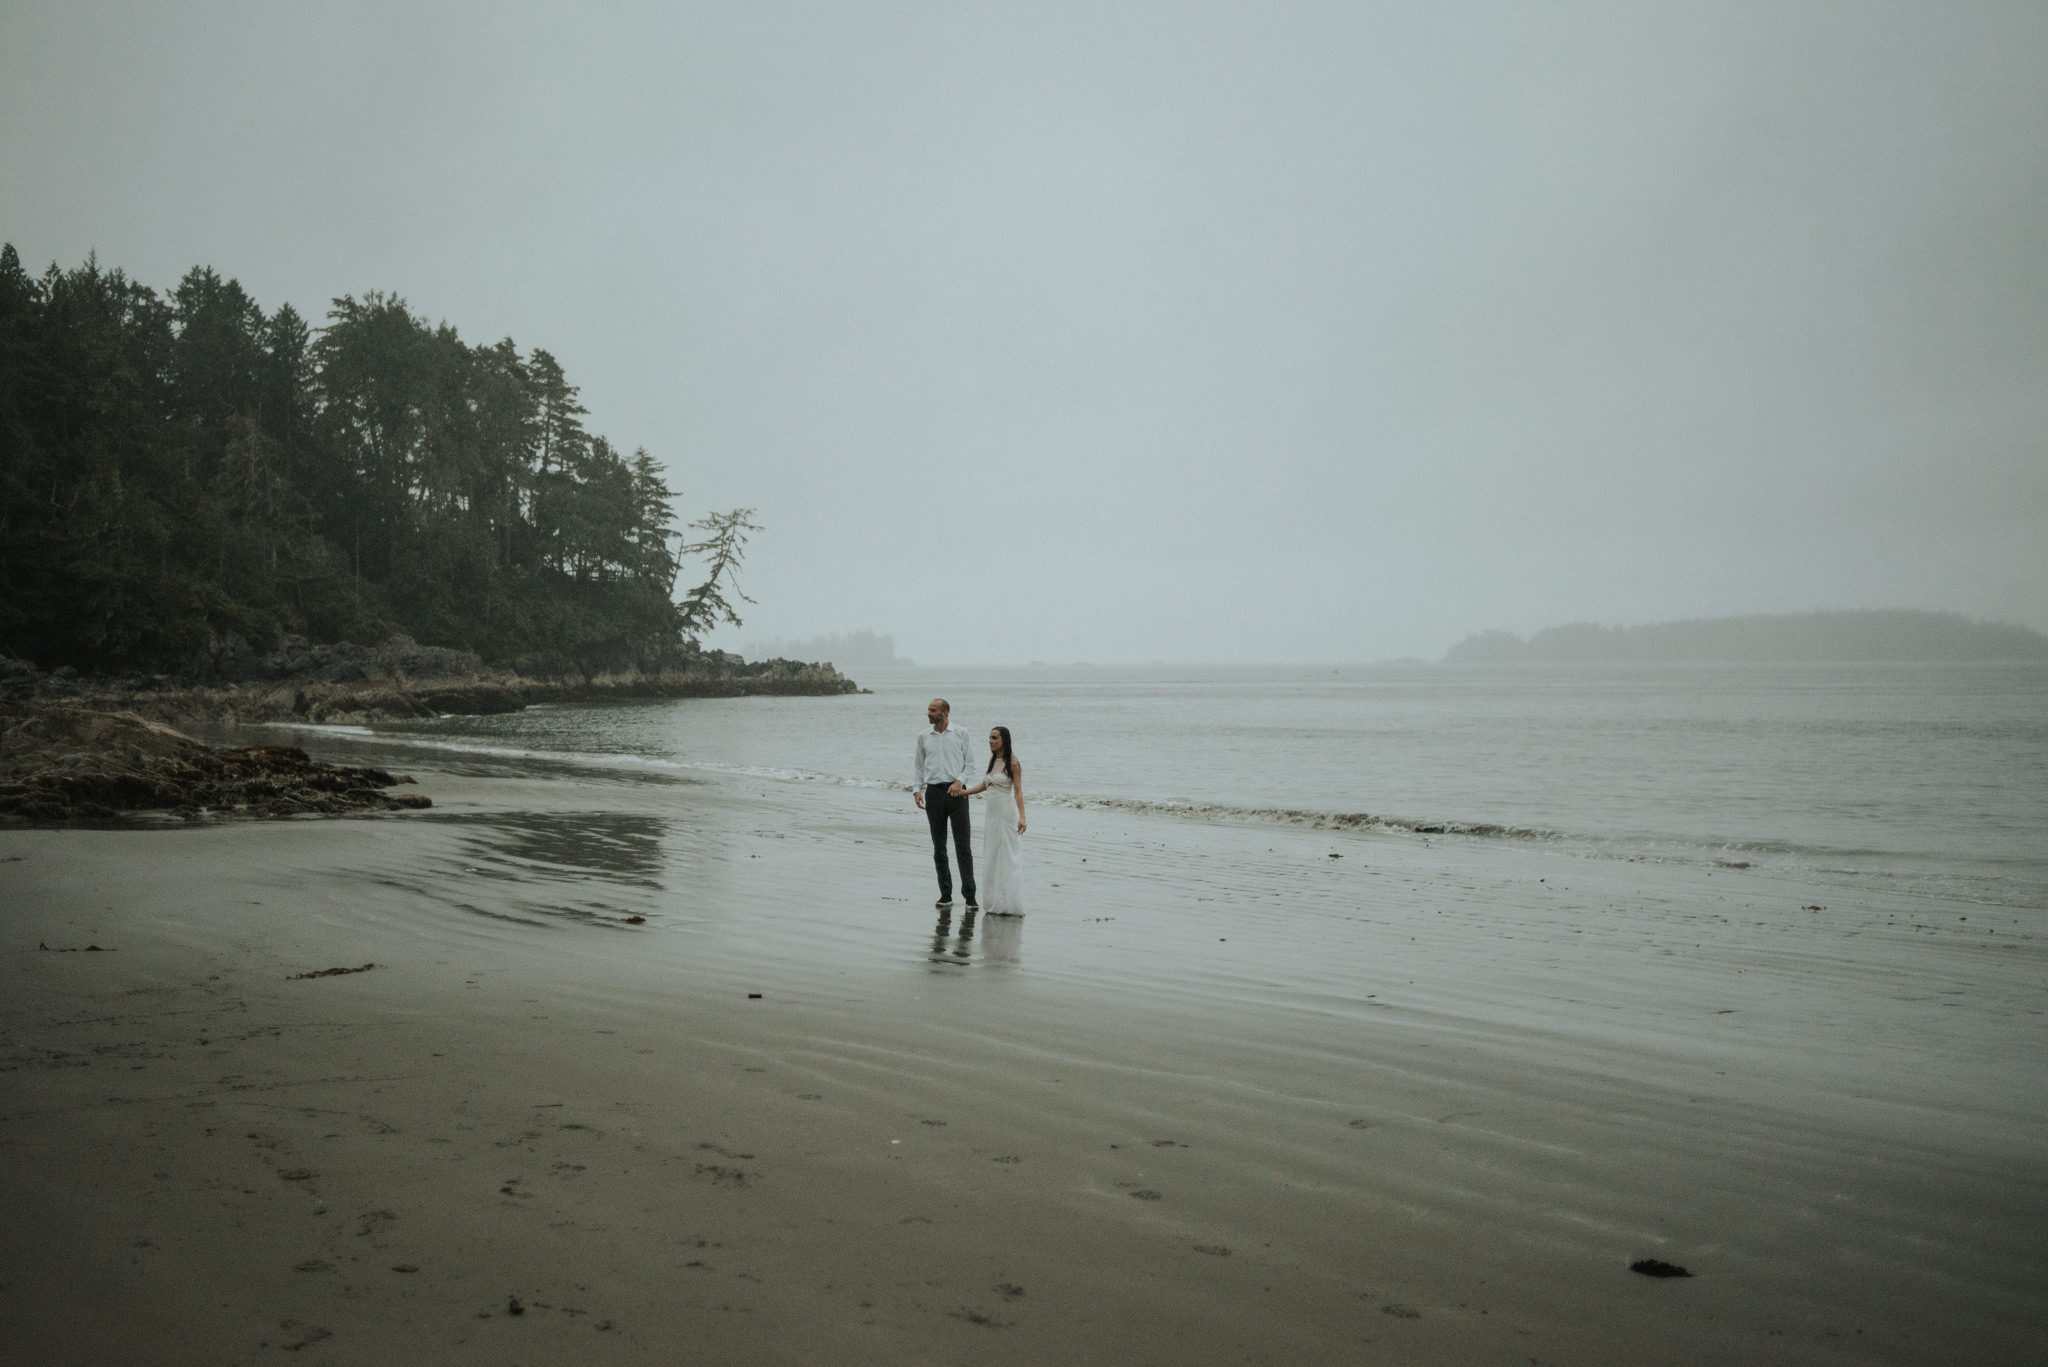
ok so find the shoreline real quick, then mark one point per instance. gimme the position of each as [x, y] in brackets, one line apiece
[67, 763]
[76, 748]
[399, 679]
[1218, 1094]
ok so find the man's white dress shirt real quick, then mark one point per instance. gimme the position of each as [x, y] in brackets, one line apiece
[942, 757]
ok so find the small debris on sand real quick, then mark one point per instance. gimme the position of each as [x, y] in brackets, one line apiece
[514, 1308]
[329, 972]
[1652, 1267]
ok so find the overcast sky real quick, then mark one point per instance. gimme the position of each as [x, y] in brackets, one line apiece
[1119, 332]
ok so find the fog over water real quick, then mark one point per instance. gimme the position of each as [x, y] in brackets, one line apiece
[1220, 333]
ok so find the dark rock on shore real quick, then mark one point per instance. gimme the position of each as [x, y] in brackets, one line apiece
[471, 699]
[69, 762]
[230, 659]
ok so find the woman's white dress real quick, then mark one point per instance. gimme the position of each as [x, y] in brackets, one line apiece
[1002, 874]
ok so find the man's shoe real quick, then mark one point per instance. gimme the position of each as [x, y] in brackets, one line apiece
[974, 906]
[943, 903]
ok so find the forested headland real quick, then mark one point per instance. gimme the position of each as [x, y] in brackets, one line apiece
[183, 473]
[1888, 634]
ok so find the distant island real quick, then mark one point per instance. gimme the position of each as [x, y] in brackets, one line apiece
[1886, 634]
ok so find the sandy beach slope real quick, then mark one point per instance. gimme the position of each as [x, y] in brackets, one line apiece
[1227, 1094]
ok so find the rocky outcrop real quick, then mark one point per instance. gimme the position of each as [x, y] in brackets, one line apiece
[230, 659]
[349, 683]
[69, 762]
[713, 674]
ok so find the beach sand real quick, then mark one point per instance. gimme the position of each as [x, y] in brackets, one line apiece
[1220, 1097]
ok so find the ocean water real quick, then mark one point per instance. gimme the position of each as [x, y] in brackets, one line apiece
[1929, 779]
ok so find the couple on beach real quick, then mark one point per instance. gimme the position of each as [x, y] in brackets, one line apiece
[944, 769]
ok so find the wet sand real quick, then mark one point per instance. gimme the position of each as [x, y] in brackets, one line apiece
[1220, 1097]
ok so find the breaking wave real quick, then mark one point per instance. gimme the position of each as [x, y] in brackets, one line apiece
[1301, 817]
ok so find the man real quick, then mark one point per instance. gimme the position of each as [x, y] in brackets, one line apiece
[939, 787]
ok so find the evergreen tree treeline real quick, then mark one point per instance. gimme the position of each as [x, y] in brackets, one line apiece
[176, 468]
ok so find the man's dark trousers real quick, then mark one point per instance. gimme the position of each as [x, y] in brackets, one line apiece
[941, 809]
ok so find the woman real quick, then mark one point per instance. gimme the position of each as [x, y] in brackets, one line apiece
[1002, 890]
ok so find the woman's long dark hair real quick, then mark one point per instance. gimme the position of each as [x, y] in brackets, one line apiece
[1009, 760]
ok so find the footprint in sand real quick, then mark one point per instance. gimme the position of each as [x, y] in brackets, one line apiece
[718, 1149]
[733, 1177]
[301, 1336]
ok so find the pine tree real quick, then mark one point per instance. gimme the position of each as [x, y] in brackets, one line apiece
[183, 467]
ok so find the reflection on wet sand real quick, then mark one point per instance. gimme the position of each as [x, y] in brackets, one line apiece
[618, 847]
[618, 856]
[1001, 941]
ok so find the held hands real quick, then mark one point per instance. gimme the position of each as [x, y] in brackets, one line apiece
[958, 789]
